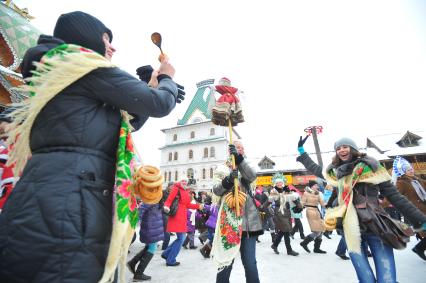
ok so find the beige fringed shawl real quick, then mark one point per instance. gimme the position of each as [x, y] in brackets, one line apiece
[362, 173]
[57, 69]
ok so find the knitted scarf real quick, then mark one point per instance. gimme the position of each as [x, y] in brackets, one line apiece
[362, 173]
[57, 69]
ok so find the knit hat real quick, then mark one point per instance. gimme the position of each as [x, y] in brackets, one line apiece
[145, 73]
[82, 29]
[345, 141]
[311, 183]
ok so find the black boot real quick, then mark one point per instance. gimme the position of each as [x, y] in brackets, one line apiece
[131, 264]
[139, 276]
[302, 236]
[273, 236]
[420, 248]
[257, 239]
[185, 243]
[288, 245]
[205, 250]
[275, 248]
[327, 234]
[317, 245]
[305, 243]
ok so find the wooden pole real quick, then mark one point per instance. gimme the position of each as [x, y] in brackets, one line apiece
[237, 205]
[317, 148]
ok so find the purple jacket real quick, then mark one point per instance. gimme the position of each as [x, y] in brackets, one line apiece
[189, 225]
[212, 210]
[151, 227]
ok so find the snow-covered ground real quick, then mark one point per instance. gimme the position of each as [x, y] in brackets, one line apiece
[312, 268]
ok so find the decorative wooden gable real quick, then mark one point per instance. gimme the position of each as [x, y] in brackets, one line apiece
[266, 163]
[409, 140]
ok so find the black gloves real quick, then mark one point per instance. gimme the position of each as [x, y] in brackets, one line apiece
[228, 181]
[301, 143]
[238, 157]
[145, 72]
[298, 206]
[181, 93]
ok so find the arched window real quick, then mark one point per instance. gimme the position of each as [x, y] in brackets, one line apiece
[176, 175]
[175, 137]
[176, 156]
[192, 134]
[212, 133]
[211, 173]
[170, 156]
[206, 152]
[190, 154]
[204, 173]
[190, 173]
[212, 151]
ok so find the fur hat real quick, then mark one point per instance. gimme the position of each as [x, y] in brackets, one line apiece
[311, 183]
[82, 29]
[345, 141]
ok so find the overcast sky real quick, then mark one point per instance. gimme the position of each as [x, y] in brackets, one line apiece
[357, 68]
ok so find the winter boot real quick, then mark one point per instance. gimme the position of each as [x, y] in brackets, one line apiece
[420, 248]
[139, 276]
[205, 250]
[273, 236]
[302, 236]
[288, 246]
[185, 243]
[317, 245]
[131, 264]
[305, 243]
[327, 234]
[275, 248]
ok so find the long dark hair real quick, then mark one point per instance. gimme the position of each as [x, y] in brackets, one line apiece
[336, 161]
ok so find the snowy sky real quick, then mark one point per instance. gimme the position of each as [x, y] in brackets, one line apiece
[357, 68]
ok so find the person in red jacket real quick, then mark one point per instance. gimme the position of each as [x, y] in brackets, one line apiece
[177, 223]
[7, 179]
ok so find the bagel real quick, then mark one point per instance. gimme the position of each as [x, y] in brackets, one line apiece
[151, 184]
[149, 173]
[151, 196]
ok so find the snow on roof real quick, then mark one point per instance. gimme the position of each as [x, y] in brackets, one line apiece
[388, 144]
[288, 163]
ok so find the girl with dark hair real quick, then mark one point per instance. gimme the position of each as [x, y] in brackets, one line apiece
[359, 179]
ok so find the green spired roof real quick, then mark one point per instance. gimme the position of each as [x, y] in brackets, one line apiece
[202, 102]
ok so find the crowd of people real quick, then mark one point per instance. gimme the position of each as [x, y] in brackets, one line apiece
[66, 145]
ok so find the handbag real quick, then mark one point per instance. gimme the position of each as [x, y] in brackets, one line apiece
[175, 205]
[391, 231]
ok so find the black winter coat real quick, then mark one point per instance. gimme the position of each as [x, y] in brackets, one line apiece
[56, 225]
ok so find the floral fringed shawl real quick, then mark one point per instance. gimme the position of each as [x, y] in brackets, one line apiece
[57, 69]
[228, 232]
[362, 173]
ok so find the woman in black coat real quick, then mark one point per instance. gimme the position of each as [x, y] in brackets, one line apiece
[56, 226]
